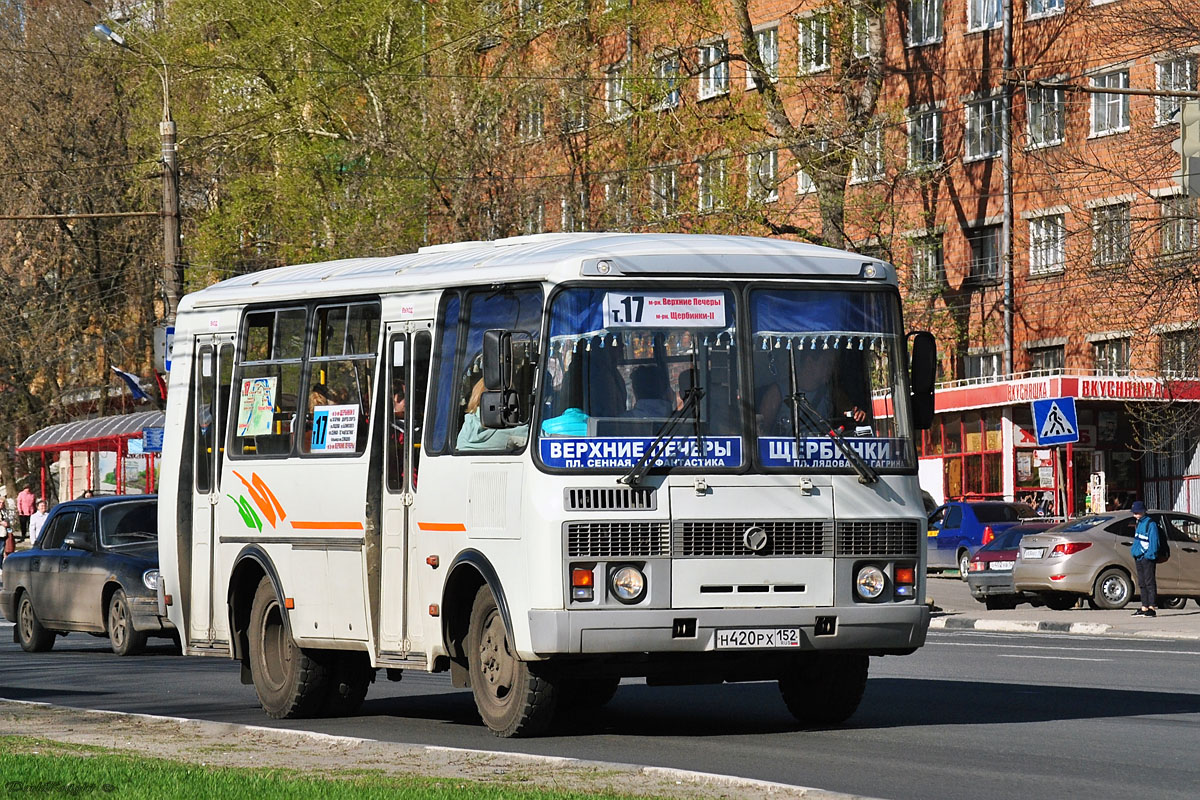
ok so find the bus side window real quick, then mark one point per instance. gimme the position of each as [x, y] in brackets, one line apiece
[267, 382]
[420, 385]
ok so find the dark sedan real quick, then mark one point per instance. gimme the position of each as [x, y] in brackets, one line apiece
[94, 569]
[990, 571]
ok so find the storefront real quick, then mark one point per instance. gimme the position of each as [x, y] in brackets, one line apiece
[983, 445]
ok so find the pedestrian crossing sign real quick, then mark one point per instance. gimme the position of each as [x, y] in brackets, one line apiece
[1054, 421]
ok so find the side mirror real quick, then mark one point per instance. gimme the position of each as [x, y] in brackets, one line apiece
[74, 542]
[497, 360]
[923, 374]
[508, 371]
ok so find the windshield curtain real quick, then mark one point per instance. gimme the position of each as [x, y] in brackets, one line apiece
[619, 366]
[823, 360]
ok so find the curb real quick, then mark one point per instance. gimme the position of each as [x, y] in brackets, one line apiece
[1034, 626]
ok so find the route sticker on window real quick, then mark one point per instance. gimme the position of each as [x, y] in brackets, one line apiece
[664, 310]
[335, 429]
[823, 453]
[256, 407]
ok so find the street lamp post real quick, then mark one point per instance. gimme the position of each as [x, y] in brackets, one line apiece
[172, 266]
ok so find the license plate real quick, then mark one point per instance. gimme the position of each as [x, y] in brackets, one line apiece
[1001, 565]
[1033, 552]
[742, 638]
[932, 532]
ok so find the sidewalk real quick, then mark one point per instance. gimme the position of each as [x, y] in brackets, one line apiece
[956, 609]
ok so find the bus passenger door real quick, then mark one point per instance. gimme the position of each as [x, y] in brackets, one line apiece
[211, 386]
[408, 347]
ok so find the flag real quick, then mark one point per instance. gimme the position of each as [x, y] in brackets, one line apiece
[135, 385]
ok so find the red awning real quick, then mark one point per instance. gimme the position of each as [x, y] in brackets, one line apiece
[100, 433]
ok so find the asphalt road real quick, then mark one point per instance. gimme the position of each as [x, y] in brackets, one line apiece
[970, 715]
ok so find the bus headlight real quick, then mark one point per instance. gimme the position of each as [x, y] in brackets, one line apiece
[150, 578]
[627, 584]
[870, 582]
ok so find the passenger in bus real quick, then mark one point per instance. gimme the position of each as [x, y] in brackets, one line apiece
[473, 436]
[649, 392]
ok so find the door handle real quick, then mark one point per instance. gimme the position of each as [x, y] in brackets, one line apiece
[1127, 544]
[63, 563]
[33, 563]
[1190, 550]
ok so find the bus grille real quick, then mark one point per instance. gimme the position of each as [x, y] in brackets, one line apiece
[703, 538]
[623, 498]
[878, 537]
[617, 539]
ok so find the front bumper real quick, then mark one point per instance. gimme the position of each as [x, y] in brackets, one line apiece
[875, 628]
[144, 611]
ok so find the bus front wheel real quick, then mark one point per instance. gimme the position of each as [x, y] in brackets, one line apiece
[825, 688]
[289, 681]
[514, 698]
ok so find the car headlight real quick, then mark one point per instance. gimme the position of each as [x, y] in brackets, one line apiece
[627, 584]
[150, 578]
[870, 582]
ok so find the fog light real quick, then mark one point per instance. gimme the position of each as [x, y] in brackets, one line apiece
[627, 584]
[150, 578]
[870, 582]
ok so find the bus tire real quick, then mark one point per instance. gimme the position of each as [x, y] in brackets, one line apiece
[290, 682]
[32, 636]
[825, 688]
[514, 697]
[350, 676]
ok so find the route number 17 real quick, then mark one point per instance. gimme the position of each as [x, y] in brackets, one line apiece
[632, 306]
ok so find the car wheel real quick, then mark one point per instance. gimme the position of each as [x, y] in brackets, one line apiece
[1060, 602]
[514, 697]
[34, 638]
[964, 564]
[1172, 602]
[1113, 589]
[290, 681]
[125, 640]
[825, 688]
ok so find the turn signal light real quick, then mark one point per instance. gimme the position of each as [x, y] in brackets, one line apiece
[988, 534]
[905, 575]
[1069, 548]
[432, 561]
[583, 584]
[976, 566]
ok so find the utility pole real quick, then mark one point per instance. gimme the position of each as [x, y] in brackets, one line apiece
[1006, 177]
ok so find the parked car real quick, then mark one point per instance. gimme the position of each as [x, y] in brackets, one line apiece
[990, 572]
[94, 569]
[1089, 557]
[959, 528]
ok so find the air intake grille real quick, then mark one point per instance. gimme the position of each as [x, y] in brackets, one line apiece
[726, 537]
[623, 498]
[617, 539]
[878, 537]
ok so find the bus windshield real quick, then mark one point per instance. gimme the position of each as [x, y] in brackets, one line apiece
[828, 360]
[621, 365]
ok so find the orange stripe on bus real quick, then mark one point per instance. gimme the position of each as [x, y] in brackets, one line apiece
[327, 526]
[441, 526]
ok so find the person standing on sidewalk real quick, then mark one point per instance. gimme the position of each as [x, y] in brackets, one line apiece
[26, 503]
[1145, 547]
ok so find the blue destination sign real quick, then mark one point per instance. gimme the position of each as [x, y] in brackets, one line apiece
[584, 452]
[823, 453]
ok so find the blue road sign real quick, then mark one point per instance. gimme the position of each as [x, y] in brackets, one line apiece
[1054, 421]
[152, 440]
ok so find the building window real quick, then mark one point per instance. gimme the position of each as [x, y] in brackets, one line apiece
[1111, 356]
[1178, 351]
[666, 77]
[814, 43]
[1047, 244]
[1110, 234]
[617, 104]
[664, 191]
[533, 216]
[925, 139]
[1178, 75]
[928, 269]
[1178, 225]
[983, 14]
[574, 109]
[1045, 8]
[714, 70]
[710, 185]
[529, 11]
[868, 161]
[924, 22]
[982, 365]
[763, 183]
[983, 128]
[1047, 112]
[1110, 112]
[1047, 360]
[768, 51]
[530, 119]
[860, 33]
[574, 211]
[616, 202]
[985, 253]
[804, 182]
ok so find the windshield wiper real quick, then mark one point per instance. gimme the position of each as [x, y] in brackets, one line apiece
[803, 409]
[691, 403]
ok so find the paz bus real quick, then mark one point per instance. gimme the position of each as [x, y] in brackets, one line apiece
[545, 464]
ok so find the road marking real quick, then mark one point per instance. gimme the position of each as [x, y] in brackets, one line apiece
[1053, 647]
[1053, 658]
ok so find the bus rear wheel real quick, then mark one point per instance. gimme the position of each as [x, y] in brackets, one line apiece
[514, 697]
[290, 682]
[825, 688]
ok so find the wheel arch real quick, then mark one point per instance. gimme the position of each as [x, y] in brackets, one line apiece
[470, 571]
[106, 594]
[249, 568]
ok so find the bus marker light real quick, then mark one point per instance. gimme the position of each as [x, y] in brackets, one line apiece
[169, 599]
[432, 561]
[434, 610]
[289, 603]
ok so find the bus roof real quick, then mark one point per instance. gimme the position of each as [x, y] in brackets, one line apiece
[547, 256]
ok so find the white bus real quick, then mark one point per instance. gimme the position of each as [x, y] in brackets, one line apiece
[547, 463]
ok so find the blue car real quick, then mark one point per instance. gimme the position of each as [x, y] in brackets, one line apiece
[959, 528]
